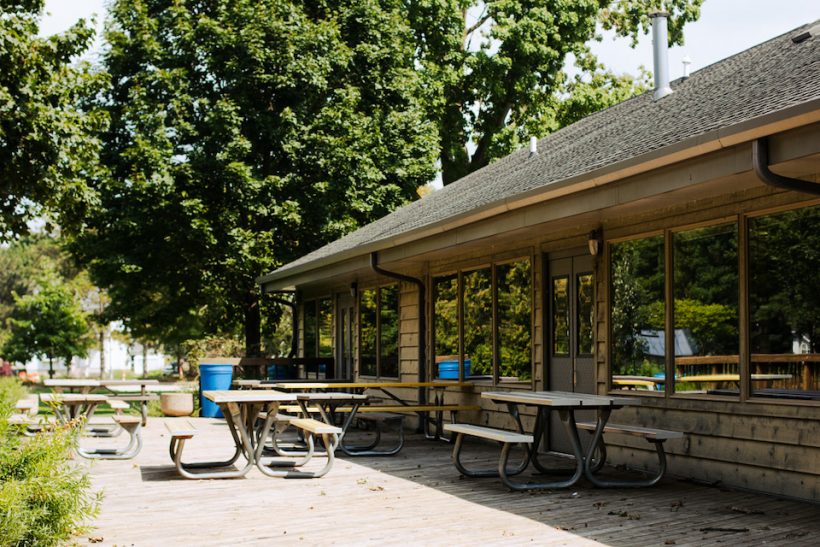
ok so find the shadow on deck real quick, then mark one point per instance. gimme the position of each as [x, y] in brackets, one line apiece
[418, 497]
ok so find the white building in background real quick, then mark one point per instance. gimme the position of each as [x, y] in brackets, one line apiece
[118, 360]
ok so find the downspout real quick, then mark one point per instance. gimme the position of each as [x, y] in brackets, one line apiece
[374, 265]
[760, 161]
[294, 333]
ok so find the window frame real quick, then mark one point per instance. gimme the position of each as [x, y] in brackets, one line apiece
[378, 341]
[741, 222]
[315, 302]
[460, 272]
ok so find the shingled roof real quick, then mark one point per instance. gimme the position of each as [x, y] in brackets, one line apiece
[771, 77]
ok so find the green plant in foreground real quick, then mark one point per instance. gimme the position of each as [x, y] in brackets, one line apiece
[44, 498]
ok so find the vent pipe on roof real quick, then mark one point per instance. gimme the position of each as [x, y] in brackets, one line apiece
[533, 146]
[660, 55]
[686, 62]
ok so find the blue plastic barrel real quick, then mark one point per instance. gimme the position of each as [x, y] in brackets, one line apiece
[448, 370]
[213, 377]
[281, 372]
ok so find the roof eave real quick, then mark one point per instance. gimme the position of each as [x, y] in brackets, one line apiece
[746, 131]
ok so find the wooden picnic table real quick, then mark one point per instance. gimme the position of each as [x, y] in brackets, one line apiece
[566, 403]
[242, 410]
[69, 406]
[423, 410]
[115, 387]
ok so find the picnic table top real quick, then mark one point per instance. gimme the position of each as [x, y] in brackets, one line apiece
[248, 396]
[88, 382]
[292, 386]
[73, 398]
[560, 399]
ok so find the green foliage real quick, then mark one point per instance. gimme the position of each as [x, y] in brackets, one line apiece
[637, 268]
[48, 148]
[23, 263]
[245, 134]
[11, 390]
[713, 326]
[45, 499]
[48, 323]
[784, 261]
[494, 69]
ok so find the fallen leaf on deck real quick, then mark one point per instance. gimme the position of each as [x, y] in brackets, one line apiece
[746, 511]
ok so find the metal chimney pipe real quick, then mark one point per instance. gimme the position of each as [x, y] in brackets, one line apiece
[533, 146]
[660, 56]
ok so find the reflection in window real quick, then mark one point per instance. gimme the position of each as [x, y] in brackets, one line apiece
[514, 306]
[706, 310]
[389, 331]
[445, 320]
[326, 327]
[784, 303]
[310, 329]
[637, 318]
[560, 315]
[478, 321]
[585, 307]
[367, 332]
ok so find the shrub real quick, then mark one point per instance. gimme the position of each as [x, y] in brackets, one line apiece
[45, 499]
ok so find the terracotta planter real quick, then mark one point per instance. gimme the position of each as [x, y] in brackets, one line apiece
[176, 404]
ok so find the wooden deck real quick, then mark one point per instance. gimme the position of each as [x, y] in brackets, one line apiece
[416, 497]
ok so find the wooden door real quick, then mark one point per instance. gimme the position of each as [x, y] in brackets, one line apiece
[345, 327]
[571, 308]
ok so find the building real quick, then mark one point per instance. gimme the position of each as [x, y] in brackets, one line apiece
[698, 210]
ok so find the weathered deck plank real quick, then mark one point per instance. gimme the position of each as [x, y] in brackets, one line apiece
[416, 497]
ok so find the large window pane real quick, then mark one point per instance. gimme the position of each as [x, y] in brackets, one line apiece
[445, 321]
[706, 310]
[478, 322]
[514, 308]
[784, 304]
[637, 308]
[560, 315]
[585, 307]
[367, 332]
[310, 329]
[389, 333]
[326, 328]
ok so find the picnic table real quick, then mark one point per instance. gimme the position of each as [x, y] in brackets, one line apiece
[69, 406]
[243, 410]
[437, 406]
[566, 403]
[115, 387]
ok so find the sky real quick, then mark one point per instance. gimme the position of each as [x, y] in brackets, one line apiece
[725, 27]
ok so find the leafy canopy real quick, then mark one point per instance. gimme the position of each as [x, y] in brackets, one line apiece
[47, 146]
[243, 135]
[494, 69]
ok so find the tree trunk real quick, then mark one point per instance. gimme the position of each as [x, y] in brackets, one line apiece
[253, 325]
[144, 360]
[50, 367]
[102, 353]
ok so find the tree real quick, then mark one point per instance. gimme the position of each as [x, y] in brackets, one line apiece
[47, 146]
[243, 135]
[47, 324]
[494, 69]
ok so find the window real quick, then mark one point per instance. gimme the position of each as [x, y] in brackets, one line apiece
[310, 329]
[784, 304]
[379, 332]
[467, 342]
[637, 308]
[706, 310]
[560, 316]
[326, 327]
[779, 290]
[318, 328]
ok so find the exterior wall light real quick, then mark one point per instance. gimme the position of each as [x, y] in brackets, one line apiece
[354, 289]
[596, 241]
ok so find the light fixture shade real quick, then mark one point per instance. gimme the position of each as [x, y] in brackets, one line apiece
[595, 241]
